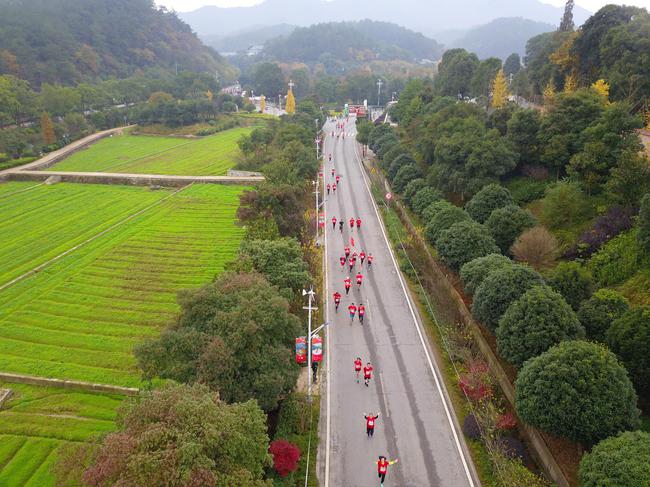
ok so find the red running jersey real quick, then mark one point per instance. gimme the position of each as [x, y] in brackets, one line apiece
[367, 371]
[357, 365]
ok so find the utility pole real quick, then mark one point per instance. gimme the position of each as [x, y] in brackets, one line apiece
[310, 308]
[379, 85]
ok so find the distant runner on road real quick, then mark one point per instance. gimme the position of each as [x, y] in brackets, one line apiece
[352, 309]
[329, 187]
[362, 256]
[367, 373]
[341, 225]
[347, 284]
[333, 218]
[362, 313]
[382, 468]
[370, 259]
[359, 279]
[337, 300]
[358, 364]
[358, 223]
[370, 423]
[351, 223]
[347, 251]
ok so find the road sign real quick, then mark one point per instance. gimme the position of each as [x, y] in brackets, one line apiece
[389, 196]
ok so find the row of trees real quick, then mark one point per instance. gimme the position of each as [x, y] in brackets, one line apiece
[227, 358]
[565, 385]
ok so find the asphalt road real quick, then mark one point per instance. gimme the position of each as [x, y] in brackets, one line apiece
[415, 425]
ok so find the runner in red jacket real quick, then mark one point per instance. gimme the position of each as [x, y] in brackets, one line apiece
[362, 256]
[333, 218]
[337, 300]
[352, 309]
[382, 467]
[370, 423]
[352, 262]
[370, 259]
[334, 188]
[357, 367]
[347, 251]
[367, 373]
[347, 284]
[351, 223]
[362, 313]
[359, 279]
[358, 223]
[338, 178]
[329, 186]
[342, 260]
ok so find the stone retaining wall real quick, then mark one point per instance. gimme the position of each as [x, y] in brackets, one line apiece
[67, 384]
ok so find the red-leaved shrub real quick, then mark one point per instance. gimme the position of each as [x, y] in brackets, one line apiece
[285, 457]
[476, 383]
[506, 421]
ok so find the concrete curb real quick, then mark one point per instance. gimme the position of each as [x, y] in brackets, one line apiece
[67, 384]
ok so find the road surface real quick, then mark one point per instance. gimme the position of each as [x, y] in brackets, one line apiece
[415, 423]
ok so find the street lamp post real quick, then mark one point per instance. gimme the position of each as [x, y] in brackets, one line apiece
[379, 85]
[310, 308]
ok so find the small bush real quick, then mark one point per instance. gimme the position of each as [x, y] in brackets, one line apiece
[620, 461]
[629, 339]
[491, 197]
[599, 312]
[506, 422]
[572, 281]
[285, 457]
[564, 205]
[405, 175]
[499, 290]
[525, 190]
[474, 272]
[606, 227]
[577, 390]
[471, 428]
[424, 198]
[644, 223]
[443, 220]
[512, 447]
[617, 260]
[464, 242]
[536, 247]
[507, 223]
[534, 323]
[434, 208]
[476, 382]
[412, 189]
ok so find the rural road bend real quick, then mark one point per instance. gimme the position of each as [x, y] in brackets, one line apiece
[415, 423]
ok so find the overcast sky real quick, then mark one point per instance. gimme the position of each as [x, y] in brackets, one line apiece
[187, 5]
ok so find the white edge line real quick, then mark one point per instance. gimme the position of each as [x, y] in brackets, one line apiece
[328, 342]
[417, 324]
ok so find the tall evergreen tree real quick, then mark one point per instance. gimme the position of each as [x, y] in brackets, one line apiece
[47, 129]
[567, 24]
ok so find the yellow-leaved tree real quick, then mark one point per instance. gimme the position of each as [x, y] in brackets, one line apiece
[291, 103]
[262, 103]
[570, 83]
[47, 129]
[602, 88]
[210, 95]
[499, 90]
[549, 93]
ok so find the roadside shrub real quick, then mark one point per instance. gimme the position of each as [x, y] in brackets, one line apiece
[617, 260]
[629, 339]
[499, 290]
[476, 382]
[534, 323]
[564, 205]
[512, 447]
[474, 272]
[443, 220]
[398, 163]
[525, 190]
[285, 457]
[491, 197]
[383, 144]
[599, 312]
[577, 390]
[376, 133]
[434, 208]
[463, 242]
[644, 223]
[392, 154]
[412, 189]
[605, 228]
[471, 428]
[620, 461]
[424, 198]
[573, 281]
[506, 421]
[405, 175]
[536, 247]
[507, 223]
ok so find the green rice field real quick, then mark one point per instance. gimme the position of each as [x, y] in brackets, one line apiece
[38, 422]
[79, 317]
[141, 154]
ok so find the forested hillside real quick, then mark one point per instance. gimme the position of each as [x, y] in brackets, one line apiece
[71, 41]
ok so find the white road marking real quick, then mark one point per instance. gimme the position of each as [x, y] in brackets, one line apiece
[417, 325]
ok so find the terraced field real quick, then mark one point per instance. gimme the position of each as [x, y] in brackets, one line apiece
[80, 317]
[209, 156]
[39, 421]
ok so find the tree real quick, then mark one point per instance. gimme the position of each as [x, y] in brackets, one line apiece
[535, 322]
[455, 72]
[476, 271]
[629, 338]
[463, 242]
[507, 223]
[567, 24]
[644, 223]
[290, 106]
[523, 134]
[536, 247]
[183, 436]
[602, 88]
[268, 79]
[398, 163]
[599, 312]
[47, 129]
[573, 281]
[619, 461]
[499, 90]
[577, 390]
[491, 197]
[563, 205]
[412, 188]
[443, 220]
[483, 79]
[630, 179]
[499, 290]
[405, 175]
[512, 65]
[236, 335]
[423, 199]
[434, 208]
[285, 457]
[262, 104]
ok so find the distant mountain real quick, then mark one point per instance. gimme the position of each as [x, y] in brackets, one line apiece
[424, 16]
[70, 41]
[351, 42]
[242, 40]
[501, 37]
